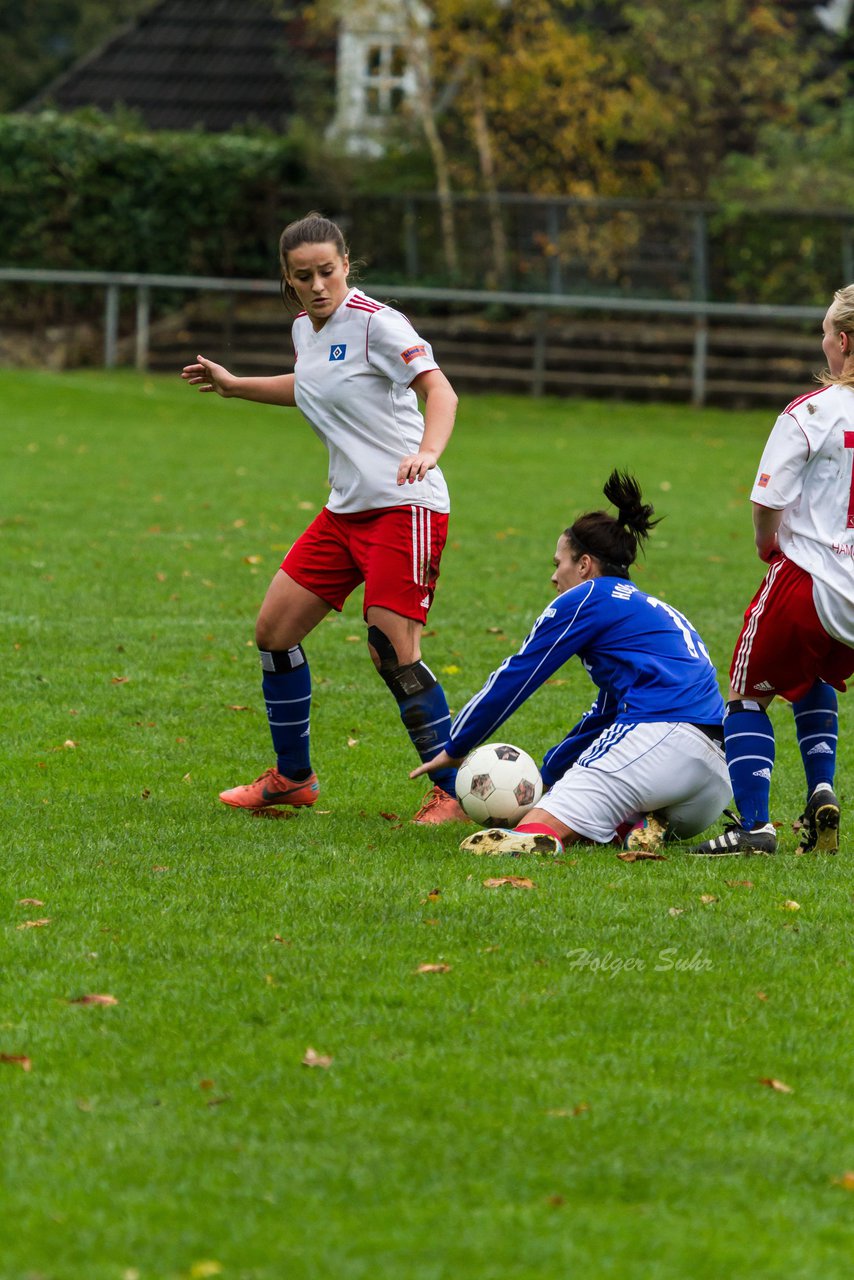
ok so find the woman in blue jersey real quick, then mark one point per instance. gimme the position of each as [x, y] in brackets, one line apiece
[649, 752]
[360, 370]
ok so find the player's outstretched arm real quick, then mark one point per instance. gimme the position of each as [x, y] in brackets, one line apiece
[209, 376]
[440, 408]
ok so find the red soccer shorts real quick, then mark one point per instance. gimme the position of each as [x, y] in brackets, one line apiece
[394, 551]
[783, 648]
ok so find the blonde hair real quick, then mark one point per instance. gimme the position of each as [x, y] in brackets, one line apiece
[842, 319]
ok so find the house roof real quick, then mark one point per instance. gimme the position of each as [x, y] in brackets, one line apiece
[187, 63]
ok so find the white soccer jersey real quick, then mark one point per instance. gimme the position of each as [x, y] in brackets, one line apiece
[807, 468]
[352, 383]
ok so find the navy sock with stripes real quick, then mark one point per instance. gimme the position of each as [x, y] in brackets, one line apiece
[428, 722]
[817, 727]
[287, 692]
[749, 746]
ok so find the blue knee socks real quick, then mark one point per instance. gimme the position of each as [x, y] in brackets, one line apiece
[428, 722]
[817, 727]
[287, 692]
[749, 746]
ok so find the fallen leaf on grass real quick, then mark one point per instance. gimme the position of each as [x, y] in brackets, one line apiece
[390, 817]
[777, 1085]
[789, 905]
[352, 742]
[433, 896]
[675, 911]
[739, 884]
[760, 995]
[570, 1111]
[145, 793]
[641, 855]
[273, 813]
[846, 1181]
[233, 706]
[17, 1060]
[94, 999]
[252, 559]
[277, 937]
[314, 1059]
[34, 924]
[433, 968]
[204, 1269]
[515, 882]
[30, 902]
[555, 1201]
[206, 1084]
[161, 868]
[120, 679]
[706, 898]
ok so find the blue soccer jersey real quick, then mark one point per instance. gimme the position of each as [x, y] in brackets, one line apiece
[645, 658]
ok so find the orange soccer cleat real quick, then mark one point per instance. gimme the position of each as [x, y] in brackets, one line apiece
[438, 806]
[273, 788]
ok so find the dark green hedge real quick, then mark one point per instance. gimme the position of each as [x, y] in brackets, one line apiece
[82, 192]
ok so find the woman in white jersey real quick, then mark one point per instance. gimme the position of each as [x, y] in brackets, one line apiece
[798, 635]
[359, 373]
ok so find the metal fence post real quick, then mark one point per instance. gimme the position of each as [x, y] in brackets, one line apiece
[111, 325]
[701, 257]
[538, 373]
[143, 328]
[698, 366]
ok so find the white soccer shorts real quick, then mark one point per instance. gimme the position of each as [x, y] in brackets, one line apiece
[633, 769]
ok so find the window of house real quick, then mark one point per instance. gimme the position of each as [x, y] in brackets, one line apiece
[384, 77]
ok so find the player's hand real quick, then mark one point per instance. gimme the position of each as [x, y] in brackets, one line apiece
[208, 376]
[416, 466]
[441, 761]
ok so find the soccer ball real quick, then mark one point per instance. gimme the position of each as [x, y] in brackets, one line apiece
[497, 784]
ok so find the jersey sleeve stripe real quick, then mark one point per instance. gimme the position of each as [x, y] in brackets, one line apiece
[800, 428]
[808, 395]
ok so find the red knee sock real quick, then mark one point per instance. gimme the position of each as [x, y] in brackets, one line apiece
[538, 829]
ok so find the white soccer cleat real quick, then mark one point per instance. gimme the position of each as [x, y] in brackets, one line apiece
[495, 840]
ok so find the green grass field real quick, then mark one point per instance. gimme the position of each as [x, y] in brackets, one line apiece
[579, 1093]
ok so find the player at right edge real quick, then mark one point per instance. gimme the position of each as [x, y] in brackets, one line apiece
[798, 635]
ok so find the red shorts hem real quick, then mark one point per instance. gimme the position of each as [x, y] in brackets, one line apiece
[395, 552]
